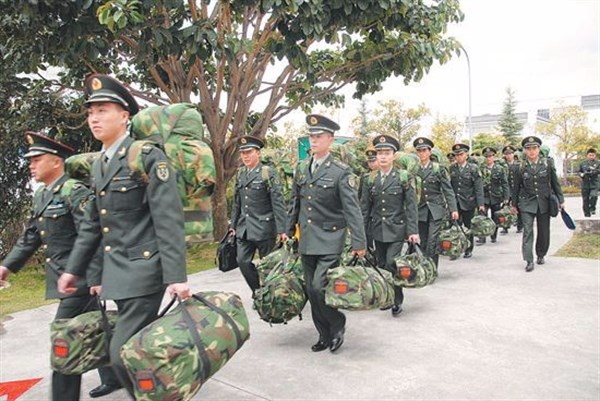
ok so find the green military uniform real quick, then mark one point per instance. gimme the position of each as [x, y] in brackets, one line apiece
[510, 174]
[138, 216]
[588, 171]
[258, 213]
[371, 156]
[534, 183]
[495, 189]
[55, 221]
[468, 188]
[324, 204]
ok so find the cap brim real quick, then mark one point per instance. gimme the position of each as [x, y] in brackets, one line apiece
[33, 153]
[423, 146]
[107, 98]
[246, 147]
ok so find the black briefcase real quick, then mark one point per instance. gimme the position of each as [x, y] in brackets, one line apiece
[227, 252]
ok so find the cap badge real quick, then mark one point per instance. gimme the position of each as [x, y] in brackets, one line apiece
[96, 84]
[313, 121]
[382, 139]
[530, 139]
[29, 139]
[244, 141]
[421, 140]
[456, 147]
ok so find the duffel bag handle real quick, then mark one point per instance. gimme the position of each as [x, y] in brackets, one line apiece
[459, 226]
[374, 266]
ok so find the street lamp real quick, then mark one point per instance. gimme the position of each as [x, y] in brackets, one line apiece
[469, 118]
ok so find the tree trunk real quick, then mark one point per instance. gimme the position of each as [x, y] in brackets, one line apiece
[220, 212]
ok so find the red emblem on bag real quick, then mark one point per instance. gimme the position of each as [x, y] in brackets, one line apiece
[405, 272]
[446, 245]
[145, 381]
[60, 348]
[340, 286]
[501, 220]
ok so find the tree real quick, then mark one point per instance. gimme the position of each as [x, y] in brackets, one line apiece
[246, 63]
[391, 118]
[484, 139]
[568, 125]
[509, 125]
[360, 123]
[445, 132]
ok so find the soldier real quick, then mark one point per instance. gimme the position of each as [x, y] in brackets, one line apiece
[588, 171]
[139, 221]
[468, 188]
[450, 157]
[534, 182]
[373, 165]
[495, 187]
[324, 203]
[258, 214]
[511, 162]
[389, 206]
[436, 199]
[55, 223]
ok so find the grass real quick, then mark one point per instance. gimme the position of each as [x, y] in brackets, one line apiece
[27, 288]
[581, 246]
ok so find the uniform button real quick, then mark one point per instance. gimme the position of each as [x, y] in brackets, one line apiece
[45, 246]
[310, 185]
[246, 197]
[107, 248]
[48, 259]
[123, 189]
[246, 206]
[383, 201]
[146, 254]
[42, 233]
[383, 218]
[103, 211]
[310, 209]
[309, 197]
[334, 228]
[383, 209]
[246, 214]
[268, 218]
[102, 193]
[41, 219]
[54, 216]
[105, 229]
[309, 221]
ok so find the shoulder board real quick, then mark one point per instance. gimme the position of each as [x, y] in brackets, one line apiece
[340, 164]
[69, 186]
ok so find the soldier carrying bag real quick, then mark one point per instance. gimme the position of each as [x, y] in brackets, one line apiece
[505, 217]
[414, 270]
[453, 241]
[172, 357]
[227, 252]
[482, 226]
[80, 344]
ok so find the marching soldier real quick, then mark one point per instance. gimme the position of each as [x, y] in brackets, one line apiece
[588, 171]
[436, 199]
[511, 162]
[534, 182]
[258, 214]
[389, 206]
[495, 186]
[468, 188]
[58, 209]
[373, 165]
[450, 157]
[138, 221]
[324, 204]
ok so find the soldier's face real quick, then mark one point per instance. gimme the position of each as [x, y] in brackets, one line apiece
[532, 152]
[373, 164]
[385, 157]
[510, 157]
[489, 159]
[108, 121]
[250, 157]
[320, 143]
[424, 154]
[591, 156]
[45, 168]
[461, 157]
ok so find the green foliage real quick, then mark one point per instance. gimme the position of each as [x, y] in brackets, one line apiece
[509, 125]
[483, 140]
[581, 246]
[393, 119]
[445, 132]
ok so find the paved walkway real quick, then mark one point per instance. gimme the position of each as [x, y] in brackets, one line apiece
[486, 330]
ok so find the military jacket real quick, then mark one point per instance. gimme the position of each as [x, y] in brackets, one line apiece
[325, 205]
[534, 183]
[495, 184]
[510, 176]
[468, 186]
[436, 194]
[258, 210]
[588, 171]
[390, 207]
[56, 217]
[138, 217]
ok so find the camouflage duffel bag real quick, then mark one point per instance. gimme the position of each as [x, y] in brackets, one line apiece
[282, 293]
[171, 358]
[80, 344]
[453, 241]
[414, 270]
[505, 217]
[358, 287]
[482, 226]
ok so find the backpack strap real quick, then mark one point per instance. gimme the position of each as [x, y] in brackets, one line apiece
[265, 173]
[136, 157]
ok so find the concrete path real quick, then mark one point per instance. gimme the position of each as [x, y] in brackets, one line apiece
[486, 330]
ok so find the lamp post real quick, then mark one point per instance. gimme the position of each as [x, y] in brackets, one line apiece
[470, 130]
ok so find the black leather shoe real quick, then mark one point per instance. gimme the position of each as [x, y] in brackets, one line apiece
[519, 230]
[493, 240]
[320, 346]
[103, 389]
[453, 257]
[396, 310]
[336, 341]
[529, 267]
[504, 231]
[480, 241]
[540, 260]
[467, 255]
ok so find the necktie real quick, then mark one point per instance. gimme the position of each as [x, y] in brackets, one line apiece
[315, 167]
[104, 164]
[383, 176]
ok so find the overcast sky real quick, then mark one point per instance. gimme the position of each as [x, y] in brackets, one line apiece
[546, 50]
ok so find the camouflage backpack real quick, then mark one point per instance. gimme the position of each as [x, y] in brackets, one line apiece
[358, 287]
[171, 358]
[79, 166]
[282, 293]
[80, 344]
[414, 270]
[178, 130]
[482, 226]
[505, 217]
[453, 241]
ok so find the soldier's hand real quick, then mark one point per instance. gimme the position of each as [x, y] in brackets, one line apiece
[283, 237]
[562, 206]
[182, 290]
[515, 210]
[454, 216]
[67, 283]
[95, 290]
[4, 272]
[414, 238]
[232, 231]
[482, 209]
[359, 252]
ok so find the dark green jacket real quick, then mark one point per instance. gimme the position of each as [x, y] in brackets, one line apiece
[495, 184]
[390, 208]
[534, 184]
[437, 195]
[56, 217]
[467, 185]
[258, 210]
[588, 171]
[138, 217]
[325, 205]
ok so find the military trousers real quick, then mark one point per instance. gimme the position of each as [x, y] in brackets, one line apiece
[464, 218]
[245, 253]
[134, 314]
[590, 198]
[386, 253]
[542, 242]
[492, 209]
[68, 387]
[328, 321]
[429, 231]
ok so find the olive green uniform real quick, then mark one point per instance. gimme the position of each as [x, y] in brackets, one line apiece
[468, 188]
[589, 170]
[495, 191]
[56, 217]
[512, 167]
[325, 206]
